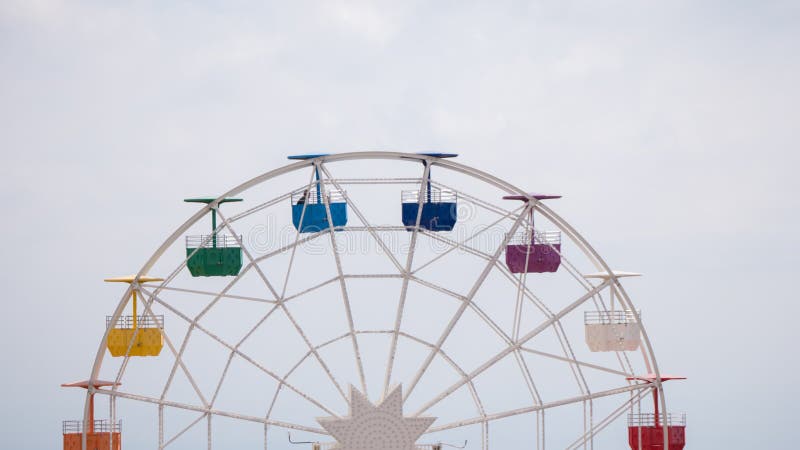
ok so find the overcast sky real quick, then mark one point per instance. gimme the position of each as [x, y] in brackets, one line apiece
[669, 127]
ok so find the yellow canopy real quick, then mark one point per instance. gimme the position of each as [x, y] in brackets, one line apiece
[130, 278]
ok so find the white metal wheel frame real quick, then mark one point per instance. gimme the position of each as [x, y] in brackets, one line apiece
[633, 391]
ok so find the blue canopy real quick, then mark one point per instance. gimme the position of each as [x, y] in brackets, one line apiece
[308, 156]
[438, 155]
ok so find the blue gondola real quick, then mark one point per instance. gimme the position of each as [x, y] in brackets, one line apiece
[309, 214]
[439, 207]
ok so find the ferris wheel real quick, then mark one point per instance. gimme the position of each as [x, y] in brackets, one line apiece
[376, 301]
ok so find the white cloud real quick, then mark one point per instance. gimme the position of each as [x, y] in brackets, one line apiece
[361, 18]
[39, 12]
[588, 59]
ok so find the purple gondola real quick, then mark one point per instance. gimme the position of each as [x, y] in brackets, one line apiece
[531, 250]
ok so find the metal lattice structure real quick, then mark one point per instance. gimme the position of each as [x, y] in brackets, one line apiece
[534, 322]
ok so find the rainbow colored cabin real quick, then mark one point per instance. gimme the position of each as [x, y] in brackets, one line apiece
[531, 250]
[213, 255]
[135, 335]
[100, 434]
[311, 207]
[646, 431]
[614, 330]
[439, 207]
[309, 214]
[144, 338]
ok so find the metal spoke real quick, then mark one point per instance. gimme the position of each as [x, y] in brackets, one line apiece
[178, 356]
[534, 408]
[638, 395]
[262, 206]
[576, 362]
[473, 391]
[368, 227]
[520, 361]
[511, 348]
[212, 294]
[184, 430]
[310, 289]
[293, 368]
[537, 399]
[315, 235]
[474, 290]
[182, 365]
[406, 273]
[192, 325]
[475, 200]
[285, 310]
[343, 286]
[558, 328]
[243, 355]
[456, 367]
[115, 317]
[296, 237]
[469, 238]
[216, 412]
[471, 305]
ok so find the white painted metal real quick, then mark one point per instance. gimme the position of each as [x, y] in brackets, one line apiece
[529, 409]
[406, 276]
[474, 290]
[515, 344]
[369, 427]
[610, 331]
[343, 287]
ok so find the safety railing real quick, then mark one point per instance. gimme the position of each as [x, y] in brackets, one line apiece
[100, 426]
[538, 237]
[436, 196]
[126, 322]
[610, 317]
[207, 241]
[309, 196]
[649, 420]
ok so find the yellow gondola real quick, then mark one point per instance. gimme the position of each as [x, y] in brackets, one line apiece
[142, 334]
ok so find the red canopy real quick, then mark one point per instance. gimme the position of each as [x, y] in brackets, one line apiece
[651, 377]
[85, 384]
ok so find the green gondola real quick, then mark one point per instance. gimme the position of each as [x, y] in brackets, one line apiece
[213, 255]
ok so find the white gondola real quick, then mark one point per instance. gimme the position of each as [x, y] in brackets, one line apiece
[612, 330]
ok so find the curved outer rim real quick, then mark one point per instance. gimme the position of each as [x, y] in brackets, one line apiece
[582, 243]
